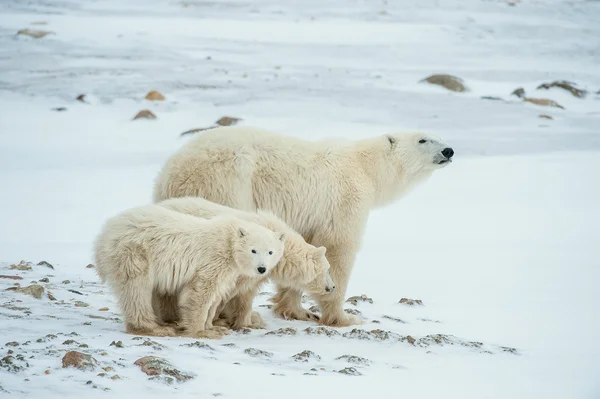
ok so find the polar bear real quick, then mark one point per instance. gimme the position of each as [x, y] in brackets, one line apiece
[324, 190]
[153, 249]
[303, 266]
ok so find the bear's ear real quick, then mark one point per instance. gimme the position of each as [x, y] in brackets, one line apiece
[280, 236]
[392, 140]
[320, 252]
[242, 232]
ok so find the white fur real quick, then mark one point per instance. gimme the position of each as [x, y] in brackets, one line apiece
[153, 249]
[302, 266]
[323, 190]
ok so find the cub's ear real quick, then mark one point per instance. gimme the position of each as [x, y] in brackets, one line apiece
[242, 232]
[320, 252]
[392, 140]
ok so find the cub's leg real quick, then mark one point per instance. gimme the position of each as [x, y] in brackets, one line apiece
[195, 301]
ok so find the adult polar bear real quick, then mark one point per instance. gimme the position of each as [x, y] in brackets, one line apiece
[324, 190]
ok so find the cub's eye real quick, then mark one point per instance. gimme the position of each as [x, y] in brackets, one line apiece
[254, 251]
[270, 252]
[422, 141]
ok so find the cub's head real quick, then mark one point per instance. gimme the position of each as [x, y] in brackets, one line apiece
[256, 249]
[417, 152]
[318, 279]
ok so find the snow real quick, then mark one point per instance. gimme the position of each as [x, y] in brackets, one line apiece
[500, 245]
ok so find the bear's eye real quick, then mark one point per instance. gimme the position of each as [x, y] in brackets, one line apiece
[270, 252]
[422, 141]
[254, 251]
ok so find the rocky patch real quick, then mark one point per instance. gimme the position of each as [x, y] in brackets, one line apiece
[565, 85]
[411, 302]
[257, 352]
[283, 331]
[354, 360]
[354, 300]
[159, 367]
[305, 356]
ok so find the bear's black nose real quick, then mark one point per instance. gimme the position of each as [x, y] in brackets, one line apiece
[262, 270]
[448, 152]
[330, 289]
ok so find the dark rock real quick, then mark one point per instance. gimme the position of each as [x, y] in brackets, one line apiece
[356, 299]
[118, 344]
[397, 320]
[145, 114]
[13, 364]
[156, 366]
[520, 92]
[12, 343]
[349, 371]
[449, 82]
[59, 109]
[80, 98]
[283, 331]
[305, 356]
[257, 353]
[228, 121]
[493, 98]
[44, 263]
[79, 360]
[75, 292]
[44, 280]
[411, 302]
[563, 84]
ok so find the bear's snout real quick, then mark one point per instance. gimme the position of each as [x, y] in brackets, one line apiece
[261, 269]
[448, 152]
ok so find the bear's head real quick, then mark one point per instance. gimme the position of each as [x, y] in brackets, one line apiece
[256, 249]
[318, 280]
[416, 152]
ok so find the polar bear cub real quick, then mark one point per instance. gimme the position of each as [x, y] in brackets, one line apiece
[302, 266]
[151, 249]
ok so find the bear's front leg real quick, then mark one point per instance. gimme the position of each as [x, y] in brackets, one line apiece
[341, 259]
[288, 305]
[195, 301]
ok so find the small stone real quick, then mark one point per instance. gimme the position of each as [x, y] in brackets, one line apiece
[354, 360]
[44, 280]
[396, 319]
[493, 98]
[196, 130]
[90, 266]
[544, 102]
[349, 371]
[154, 96]
[22, 266]
[80, 304]
[450, 82]
[79, 360]
[70, 342]
[107, 369]
[145, 114]
[47, 372]
[51, 297]
[200, 345]
[375, 335]
[115, 377]
[410, 340]
[66, 281]
[228, 121]
[36, 34]
[155, 345]
[305, 356]
[44, 263]
[12, 343]
[257, 352]
[84, 346]
[11, 277]
[34, 290]
[118, 344]
[13, 364]
[80, 98]
[542, 116]
[103, 309]
[283, 331]
[356, 299]
[75, 292]
[411, 302]
[154, 366]
[59, 109]
[87, 323]
[321, 331]
[520, 92]
[101, 374]
[563, 84]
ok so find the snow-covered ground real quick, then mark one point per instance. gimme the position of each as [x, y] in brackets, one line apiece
[501, 246]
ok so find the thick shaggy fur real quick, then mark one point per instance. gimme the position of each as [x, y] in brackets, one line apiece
[151, 249]
[323, 190]
[302, 266]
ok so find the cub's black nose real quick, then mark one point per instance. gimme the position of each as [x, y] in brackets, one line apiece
[330, 289]
[448, 152]
[262, 270]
